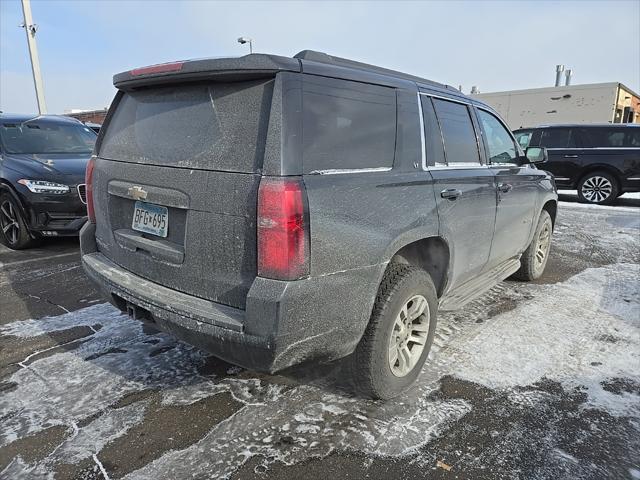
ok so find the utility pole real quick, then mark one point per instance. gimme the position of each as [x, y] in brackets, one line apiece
[31, 29]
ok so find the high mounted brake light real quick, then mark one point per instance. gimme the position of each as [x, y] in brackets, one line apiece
[162, 68]
[283, 230]
[88, 180]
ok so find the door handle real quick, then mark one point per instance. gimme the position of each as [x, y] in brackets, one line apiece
[571, 156]
[505, 187]
[451, 193]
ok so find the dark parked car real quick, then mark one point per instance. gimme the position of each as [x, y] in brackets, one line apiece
[600, 161]
[93, 126]
[278, 210]
[42, 164]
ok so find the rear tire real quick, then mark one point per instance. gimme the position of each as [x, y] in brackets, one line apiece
[600, 188]
[399, 335]
[13, 227]
[535, 257]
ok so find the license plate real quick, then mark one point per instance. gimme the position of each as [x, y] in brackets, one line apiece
[149, 218]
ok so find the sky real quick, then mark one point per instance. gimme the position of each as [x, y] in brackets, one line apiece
[495, 45]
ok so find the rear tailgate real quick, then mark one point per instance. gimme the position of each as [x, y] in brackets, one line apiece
[195, 149]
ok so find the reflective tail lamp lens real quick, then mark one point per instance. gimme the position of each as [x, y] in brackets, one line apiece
[283, 230]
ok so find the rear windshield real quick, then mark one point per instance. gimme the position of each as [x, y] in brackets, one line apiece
[33, 137]
[205, 126]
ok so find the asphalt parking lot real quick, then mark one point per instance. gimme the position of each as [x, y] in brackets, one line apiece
[532, 381]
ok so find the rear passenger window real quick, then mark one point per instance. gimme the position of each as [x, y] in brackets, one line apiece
[608, 137]
[557, 138]
[632, 138]
[460, 143]
[432, 135]
[347, 125]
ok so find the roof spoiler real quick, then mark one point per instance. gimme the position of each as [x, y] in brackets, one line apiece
[226, 69]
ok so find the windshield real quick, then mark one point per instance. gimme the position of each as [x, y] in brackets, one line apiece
[46, 137]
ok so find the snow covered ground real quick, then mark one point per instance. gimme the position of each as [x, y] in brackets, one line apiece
[530, 381]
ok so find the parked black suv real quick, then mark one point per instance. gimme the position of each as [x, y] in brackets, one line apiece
[601, 161]
[277, 210]
[42, 165]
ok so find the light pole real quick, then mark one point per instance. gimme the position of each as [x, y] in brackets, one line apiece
[31, 28]
[243, 40]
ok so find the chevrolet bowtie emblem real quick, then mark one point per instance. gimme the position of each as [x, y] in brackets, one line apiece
[137, 193]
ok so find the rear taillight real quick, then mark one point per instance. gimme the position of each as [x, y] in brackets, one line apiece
[88, 179]
[283, 230]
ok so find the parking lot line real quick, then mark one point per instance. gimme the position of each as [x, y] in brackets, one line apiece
[30, 260]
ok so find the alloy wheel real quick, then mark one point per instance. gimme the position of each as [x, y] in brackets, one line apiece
[9, 222]
[409, 335]
[542, 246]
[596, 189]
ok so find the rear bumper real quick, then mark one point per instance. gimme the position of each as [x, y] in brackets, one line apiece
[285, 323]
[207, 325]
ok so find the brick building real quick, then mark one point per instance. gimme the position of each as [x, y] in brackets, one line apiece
[91, 116]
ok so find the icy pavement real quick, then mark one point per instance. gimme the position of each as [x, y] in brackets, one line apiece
[555, 365]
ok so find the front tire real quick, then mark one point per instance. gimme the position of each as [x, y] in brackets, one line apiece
[399, 335]
[600, 188]
[13, 228]
[535, 257]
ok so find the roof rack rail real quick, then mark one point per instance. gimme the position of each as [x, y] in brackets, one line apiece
[321, 57]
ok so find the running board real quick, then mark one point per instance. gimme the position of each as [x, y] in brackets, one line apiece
[472, 289]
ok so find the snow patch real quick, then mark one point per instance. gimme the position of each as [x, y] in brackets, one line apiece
[593, 317]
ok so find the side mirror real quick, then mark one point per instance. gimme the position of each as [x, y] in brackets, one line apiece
[535, 155]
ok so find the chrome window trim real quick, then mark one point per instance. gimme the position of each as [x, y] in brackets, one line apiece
[433, 95]
[341, 171]
[423, 143]
[592, 148]
[459, 166]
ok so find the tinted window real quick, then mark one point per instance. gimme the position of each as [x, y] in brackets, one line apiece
[46, 137]
[632, 138]
[499, 142]
[213, 126]
[523, 138]
[432, 135]
[557, 138]
[611, 136]
[347, 125]
[460, 145]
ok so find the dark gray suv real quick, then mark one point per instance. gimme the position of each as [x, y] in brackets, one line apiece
[276, 210]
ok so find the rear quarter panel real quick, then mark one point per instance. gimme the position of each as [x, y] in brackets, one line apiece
[362, 219]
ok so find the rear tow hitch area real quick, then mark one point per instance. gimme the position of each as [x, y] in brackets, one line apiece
[138, 313]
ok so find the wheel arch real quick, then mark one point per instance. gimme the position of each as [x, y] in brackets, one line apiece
[5, 186]
[431, 254]
[599, 167]
[551, 206]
